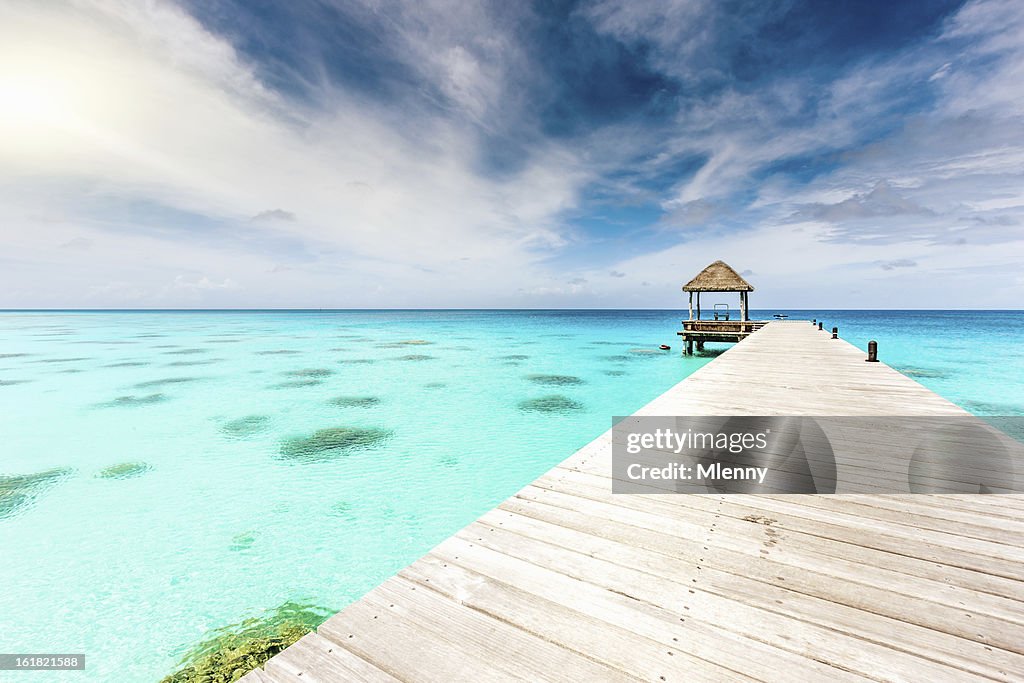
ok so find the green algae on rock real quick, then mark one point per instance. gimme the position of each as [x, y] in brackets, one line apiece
[326, 444]
[554, 380]
[246, 426]
[354, 401]
[233, 651]
[124, 470]
[553, 403]
[19, 491]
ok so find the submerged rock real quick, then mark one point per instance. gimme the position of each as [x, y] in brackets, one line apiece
[333, 442]
[357, 361]
[278, 352]
[19, 491]
[354, 401]
[127, 364]
[124, 470]
[231, 652]
[435, 385]
[554, 380]
[12, 382]
[12, 355]
[186, 352]
[246, 426]
[553, 403]
[515, 356]
[132, 401]
[615, 373]
[416, 357]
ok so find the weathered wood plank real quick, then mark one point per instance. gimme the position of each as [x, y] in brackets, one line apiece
[567, 581]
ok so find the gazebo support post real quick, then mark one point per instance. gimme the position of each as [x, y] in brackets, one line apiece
[691, 305]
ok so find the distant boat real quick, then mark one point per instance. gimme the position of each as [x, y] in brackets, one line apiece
[665, 347]
[780, 316]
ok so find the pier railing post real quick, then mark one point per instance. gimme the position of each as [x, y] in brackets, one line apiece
[872, 352]
[835, 333]
[821, 326]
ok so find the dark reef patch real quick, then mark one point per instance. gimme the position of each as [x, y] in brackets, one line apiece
[12, 382]
[354, 401]
[326, 444]
[18, 492]
[434, 385]
[249, 425]
[60, 360]
[242, 541]
[186, 352]
[515, 356]
[553, 403]
[415, 357]
[127, 364]
[555, 380]
[356, 361]
[341, 509]
[310, 372]
[647, 352]
[231, 652]
[615, 373]
[133, 401]
[297, 384]
[12, 355]
[278, 352]
[927, 373]
[164, 382]
[191, 363]
[615, 359]
[124, 470]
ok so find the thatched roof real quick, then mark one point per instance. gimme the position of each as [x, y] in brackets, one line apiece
[718, 277]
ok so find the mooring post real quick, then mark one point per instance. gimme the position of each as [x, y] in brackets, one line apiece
[872, 352]
[835, 333]
[821, 326]
[814, 322]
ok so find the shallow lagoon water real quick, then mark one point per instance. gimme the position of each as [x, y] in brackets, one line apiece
[202, 468]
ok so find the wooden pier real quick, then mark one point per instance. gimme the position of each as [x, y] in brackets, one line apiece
[566, 582]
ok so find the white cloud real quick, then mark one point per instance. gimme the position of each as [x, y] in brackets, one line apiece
[158, 112]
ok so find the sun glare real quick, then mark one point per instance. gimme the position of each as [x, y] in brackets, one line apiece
[28, 101]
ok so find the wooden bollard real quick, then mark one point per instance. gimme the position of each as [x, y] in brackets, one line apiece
[835, 333]
[821, 326]
[872, 352]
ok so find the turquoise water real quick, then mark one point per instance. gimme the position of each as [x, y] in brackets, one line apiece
[225, 513]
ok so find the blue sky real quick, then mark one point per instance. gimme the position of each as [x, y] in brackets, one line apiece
[510, 154]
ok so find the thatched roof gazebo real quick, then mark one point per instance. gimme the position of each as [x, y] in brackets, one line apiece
[719, 277]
